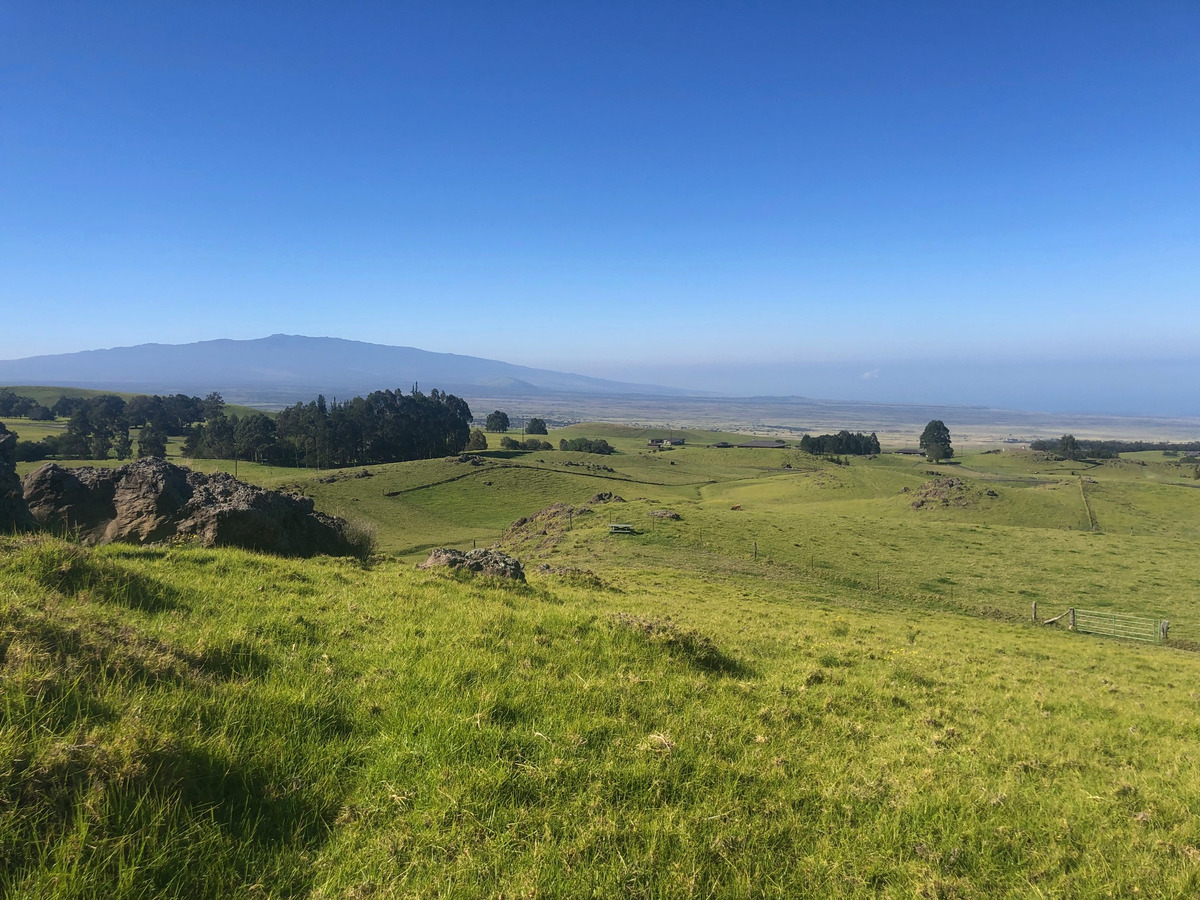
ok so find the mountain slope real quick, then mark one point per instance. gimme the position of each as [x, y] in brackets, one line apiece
[301, 365]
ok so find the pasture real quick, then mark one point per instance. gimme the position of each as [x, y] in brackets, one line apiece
[817, 680]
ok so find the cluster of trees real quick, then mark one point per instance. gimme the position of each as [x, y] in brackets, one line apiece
[499, 421]
[845, 443]
[935, 441]
[384, 426]
[99, 426]
[507, 443]
[586, 445]
[14, 405]
[1069, 447]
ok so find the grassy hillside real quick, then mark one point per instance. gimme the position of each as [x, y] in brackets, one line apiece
[186, 723]
[817, 680]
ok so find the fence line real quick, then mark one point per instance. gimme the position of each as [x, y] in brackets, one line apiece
[1093, 525]
[1120, 625]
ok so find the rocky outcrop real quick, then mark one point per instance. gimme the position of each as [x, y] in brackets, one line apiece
[484, 562]
[151, 500]
[949, 492]
[14, 514]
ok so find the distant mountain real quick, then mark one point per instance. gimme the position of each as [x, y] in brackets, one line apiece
[283, 368]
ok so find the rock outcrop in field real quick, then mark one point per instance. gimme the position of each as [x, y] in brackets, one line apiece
[150, 500]
[14, 514]
[482, 561]
[950, 491]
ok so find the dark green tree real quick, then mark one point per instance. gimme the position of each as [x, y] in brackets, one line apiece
[1068, 447]
[497, 421]
[212, 406]
[122, 445]
[935, 441]
[586, 445]
[254, 438]
[536, 426]
[152, 441]
[216, 438]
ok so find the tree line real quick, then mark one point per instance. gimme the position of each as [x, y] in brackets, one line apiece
[841, 444]
[383, 427]
[99, 426]
[13, 404]
[1070, 447]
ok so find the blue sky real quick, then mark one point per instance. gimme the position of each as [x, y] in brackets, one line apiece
[791, 198]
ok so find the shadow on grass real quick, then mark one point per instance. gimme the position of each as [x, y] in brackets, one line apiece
[73, 570]
[692, 646]
[190, 809]
[229, 805]
[89, 650]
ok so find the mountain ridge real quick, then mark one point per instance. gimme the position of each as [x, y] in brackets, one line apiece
[301, 365]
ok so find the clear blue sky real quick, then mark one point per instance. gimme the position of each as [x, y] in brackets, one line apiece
[623, 189]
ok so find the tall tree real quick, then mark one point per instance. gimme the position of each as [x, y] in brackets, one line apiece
[212, 406]
[152, 441]
[497, 421]
[935, 441]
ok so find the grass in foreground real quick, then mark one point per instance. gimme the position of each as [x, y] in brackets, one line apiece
[188, 723]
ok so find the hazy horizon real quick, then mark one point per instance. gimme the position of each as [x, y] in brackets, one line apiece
[1120, 387]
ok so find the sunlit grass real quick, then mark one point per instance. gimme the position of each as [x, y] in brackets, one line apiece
[822, 692]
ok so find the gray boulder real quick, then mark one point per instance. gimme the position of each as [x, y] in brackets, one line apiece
[484, 562]
[151, 500]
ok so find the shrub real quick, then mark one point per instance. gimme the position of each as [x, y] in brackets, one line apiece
[586, 445]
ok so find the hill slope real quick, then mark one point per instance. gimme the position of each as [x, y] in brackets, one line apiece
[190, 723]
[293, 366]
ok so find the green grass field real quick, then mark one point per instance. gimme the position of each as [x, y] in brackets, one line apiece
[819, 680]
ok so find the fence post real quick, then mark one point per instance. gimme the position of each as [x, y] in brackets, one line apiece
[1072, 618]
[1035, 611]
[1164, 628]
